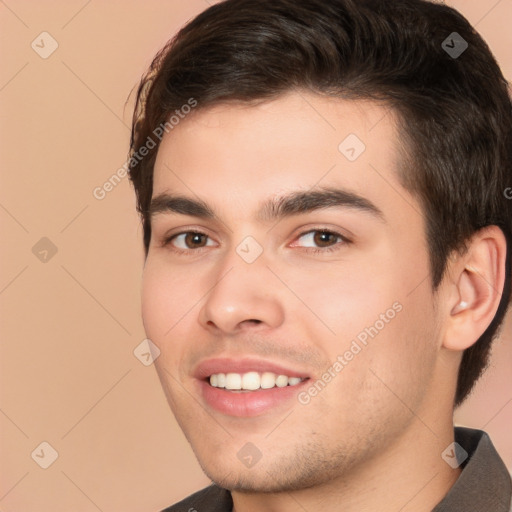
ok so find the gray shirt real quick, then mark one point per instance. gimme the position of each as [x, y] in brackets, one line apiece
[484, 484]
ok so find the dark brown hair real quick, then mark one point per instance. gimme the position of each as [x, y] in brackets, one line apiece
[454, 110]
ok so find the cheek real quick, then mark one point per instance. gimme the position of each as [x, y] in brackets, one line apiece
[346, 297]
[168, 299]
[381, 380]
[156, 302]
[382, 329]
[400, 360]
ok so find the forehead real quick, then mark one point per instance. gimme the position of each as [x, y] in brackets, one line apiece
[245, 153]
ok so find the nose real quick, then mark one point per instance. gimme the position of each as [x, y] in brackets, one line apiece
[242, 295]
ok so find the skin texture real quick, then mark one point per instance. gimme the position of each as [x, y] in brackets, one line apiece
[372, 438]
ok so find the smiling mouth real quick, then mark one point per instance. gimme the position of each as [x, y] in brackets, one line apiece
[251, 381]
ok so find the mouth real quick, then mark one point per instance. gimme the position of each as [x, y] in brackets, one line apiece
[252, 381]
[247, 388]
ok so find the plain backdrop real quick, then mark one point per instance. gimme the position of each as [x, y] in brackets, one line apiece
[71, 264]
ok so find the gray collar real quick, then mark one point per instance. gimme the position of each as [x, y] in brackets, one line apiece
[484, 483]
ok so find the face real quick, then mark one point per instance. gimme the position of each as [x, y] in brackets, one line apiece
[329, 289]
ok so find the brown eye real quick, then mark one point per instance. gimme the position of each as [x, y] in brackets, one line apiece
[193, 240]
[324, 238]
[187, 241]
[321, 241]
[321, 238]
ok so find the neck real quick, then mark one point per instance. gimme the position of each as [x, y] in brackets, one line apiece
[408, 475]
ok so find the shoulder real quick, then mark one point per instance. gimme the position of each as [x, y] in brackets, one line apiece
[209, 499]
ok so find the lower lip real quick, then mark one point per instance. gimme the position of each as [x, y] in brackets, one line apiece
[247, 404]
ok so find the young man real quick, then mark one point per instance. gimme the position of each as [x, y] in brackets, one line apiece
[323, 186]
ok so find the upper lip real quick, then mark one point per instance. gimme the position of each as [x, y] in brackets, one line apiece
[229, 365]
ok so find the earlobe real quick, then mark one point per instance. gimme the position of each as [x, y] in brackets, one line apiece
[479, 277]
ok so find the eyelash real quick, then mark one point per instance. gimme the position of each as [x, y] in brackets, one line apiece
[167, 241]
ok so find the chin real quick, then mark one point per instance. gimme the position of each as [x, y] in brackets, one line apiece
[263, 479]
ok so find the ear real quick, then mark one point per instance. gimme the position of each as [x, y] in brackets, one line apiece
[476, 285]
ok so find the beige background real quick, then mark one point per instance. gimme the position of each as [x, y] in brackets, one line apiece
[69, 325]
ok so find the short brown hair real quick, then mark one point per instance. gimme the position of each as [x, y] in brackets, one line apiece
[455, 111]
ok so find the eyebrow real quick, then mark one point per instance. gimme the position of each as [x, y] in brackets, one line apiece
[293, 203]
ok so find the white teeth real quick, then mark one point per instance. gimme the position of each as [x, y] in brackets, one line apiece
[252, 381]
[221, 380]
[282, 381]
[233, 381]
[268, 380]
